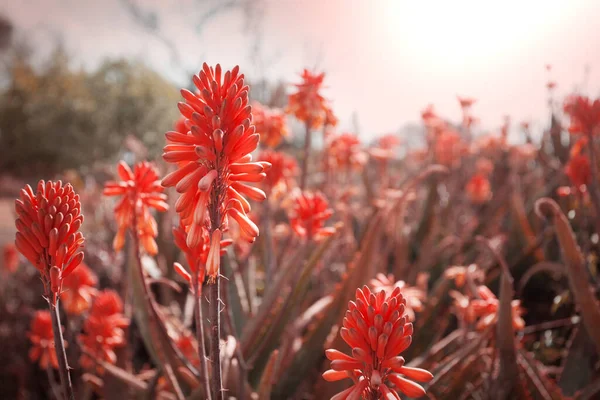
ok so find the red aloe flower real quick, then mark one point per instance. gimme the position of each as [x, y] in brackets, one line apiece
[189, 348]
[103, 329]
[214, 160]
[79, 288]
[345, 151]
[584, 114]
[282, 171]
[11, 257]
[308, 215]
[197, 256]
[376, 329]
[307, 104]
[579, 168]
[330, 119]
[479, 189]
[141, 190]
[271, 124]
[384, 149]
[486, 307]
[42, 340]
[448, 148]
[48, 223]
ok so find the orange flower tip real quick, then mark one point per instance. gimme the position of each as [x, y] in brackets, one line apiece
[213, 262]
[182, 272]
[205, 183]
[417, 374]
[410, 388]
[333, 376]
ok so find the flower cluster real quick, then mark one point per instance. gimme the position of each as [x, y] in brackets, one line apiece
[384, 149]
[308, 215]
[282, 171]
[103, 329]
[141, 191]
[79, 289]
[584, 114]
[197, 256]
[42, 339]
[579, 168]
[483, 309]
[307, 103]
[48, 223]
[271, 124]
[376, 329]
[345, 152]
[479, 189]
[214, 160]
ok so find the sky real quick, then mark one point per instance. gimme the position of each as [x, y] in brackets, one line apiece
[385, 60]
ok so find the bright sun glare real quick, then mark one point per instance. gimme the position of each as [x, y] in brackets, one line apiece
[468, 31]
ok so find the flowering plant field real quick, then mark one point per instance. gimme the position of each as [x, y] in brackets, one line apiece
[235, 267]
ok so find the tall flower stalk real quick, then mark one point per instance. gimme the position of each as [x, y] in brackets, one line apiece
[308, 105]
[48, 223]
[214, 166]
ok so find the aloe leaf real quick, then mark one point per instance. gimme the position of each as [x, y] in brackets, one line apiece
[576, 269]
[268, 377]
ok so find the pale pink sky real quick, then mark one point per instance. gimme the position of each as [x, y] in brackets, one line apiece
[385, 59]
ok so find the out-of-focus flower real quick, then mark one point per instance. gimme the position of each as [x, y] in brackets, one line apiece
[448, 148]
[42, 340]
[584, 114]
[196, 256]
[307, 104]
[376, 329]
[271, 124]
[384, 149]
[141, 191]
[330, 119]
[550, 85]
[579, 168]
[579, 171]
[460, 274]
[103, 329]
[308, 215]
[486, 307]
[10, 257]
[79, 289]
[189, 348]
[414, 296]
[479, 189]
[489, 145]
[345, 152]
[465, 102]
[214, 160]
[282, 171]
[48, 223]
[463, 307]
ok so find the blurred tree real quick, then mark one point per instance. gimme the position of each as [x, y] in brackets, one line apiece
[54, 117]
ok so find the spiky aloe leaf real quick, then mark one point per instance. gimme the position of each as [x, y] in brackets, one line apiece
[273, 329]
[269, 304]
[508, 384]
[268, 377]
[152, 328]
[577, 271]
[579, 364]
